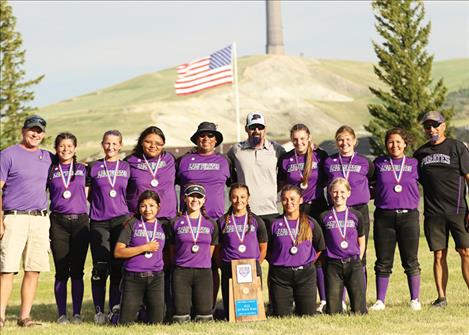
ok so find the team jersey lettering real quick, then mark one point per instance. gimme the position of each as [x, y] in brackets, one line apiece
[397, 168]
[141, 233]
[204, 166]
[435, 159]
[300, 166]
[333, 224]
[338, 168]
[230, 228]
[143, 166]
[103, 174]
[74, 173]
[186, 230]
[284, 232]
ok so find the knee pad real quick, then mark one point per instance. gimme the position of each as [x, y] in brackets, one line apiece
[204, 318]
[100, 272]
[181, 318]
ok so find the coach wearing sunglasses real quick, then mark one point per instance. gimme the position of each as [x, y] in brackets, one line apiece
[254, 164]
[444, 171]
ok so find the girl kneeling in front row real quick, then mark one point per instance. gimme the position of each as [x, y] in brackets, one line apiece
[141, 242]
[345, 240]
[295, 243]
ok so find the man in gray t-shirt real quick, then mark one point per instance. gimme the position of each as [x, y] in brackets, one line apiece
[254, 163]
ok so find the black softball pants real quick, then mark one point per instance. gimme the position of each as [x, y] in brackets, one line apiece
[363, 209]
[293, 284]
[146, 288]
[401, 227]
[70, 238]
[345, 273]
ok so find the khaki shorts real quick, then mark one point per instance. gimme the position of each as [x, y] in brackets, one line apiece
[26, 238]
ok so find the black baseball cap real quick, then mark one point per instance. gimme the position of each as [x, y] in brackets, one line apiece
[194, 189]
[35, 121]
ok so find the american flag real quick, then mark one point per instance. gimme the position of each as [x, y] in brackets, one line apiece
[207, 72]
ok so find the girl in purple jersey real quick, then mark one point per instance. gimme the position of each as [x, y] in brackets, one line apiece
[243, 235]
[303, 166]
[70, 229]
[108, 180]
[295, 243]
[141, 243]
[194, 236]
[345, 240]
[396, 218]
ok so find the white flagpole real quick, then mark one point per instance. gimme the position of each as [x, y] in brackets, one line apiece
[234, 60]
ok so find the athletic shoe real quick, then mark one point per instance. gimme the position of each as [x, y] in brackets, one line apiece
[62, 320]
[415, 305]
[440, 303]
[76, 319]
[344, 306]
[321, 307]
[378, 306]
[100, 318]
[113, 315]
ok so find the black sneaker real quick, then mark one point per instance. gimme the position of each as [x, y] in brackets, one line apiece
[440, 303]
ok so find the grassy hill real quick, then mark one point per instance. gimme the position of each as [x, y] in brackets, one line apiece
[321, 93]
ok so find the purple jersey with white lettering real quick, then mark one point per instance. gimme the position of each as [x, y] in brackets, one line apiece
[25, 175]
[212, 172]
[281, 243]
[341, 240]
[133, 235]
[361, 170]
[76, 204]
[141, 178]
[229, 241]
[386, 196]
[183, 242]
[290, 171]
[103, 205]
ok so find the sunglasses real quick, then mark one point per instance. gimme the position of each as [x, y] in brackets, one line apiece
[209, 135]
[430, 125]
[256, 126]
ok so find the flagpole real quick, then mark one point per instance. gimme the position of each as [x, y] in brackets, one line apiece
[236, 91]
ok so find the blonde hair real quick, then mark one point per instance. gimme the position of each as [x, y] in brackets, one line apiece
[309, 153]
[345, 129]
[339, 181]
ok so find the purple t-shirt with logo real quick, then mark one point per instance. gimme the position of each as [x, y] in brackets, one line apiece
[385, 195]
[290, 170]
[76, 204]
[25, 175]
[210, 171]
[103, 206]
[333, 235]
[361, 170]
[255, 233]
[141, 177]
[281, 243]
[133, 235]
[182, 239]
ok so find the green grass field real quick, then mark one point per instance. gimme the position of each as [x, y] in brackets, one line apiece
[396, 319]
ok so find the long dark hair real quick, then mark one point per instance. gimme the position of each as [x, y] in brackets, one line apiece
[227, 215]
[138, 149]
[398, 131]
[305, 232]
[56, 161]
[309, 152]
[147, 194]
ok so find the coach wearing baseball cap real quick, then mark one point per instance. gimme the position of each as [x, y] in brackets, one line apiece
[24, 222]
[443, 171]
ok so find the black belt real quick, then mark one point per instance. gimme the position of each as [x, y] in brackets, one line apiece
[33, 212]
[69, 216]
[295, 268]
[142, 274]
[396, 211]
[345, 260]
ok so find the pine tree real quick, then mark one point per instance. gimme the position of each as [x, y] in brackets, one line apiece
[405, 68]
[15, 93]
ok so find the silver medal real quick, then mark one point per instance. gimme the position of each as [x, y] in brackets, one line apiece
[112, 193]
[293, 250]
[398, 188]
[242, 248]
[148, 255]
[195, 248]
[304, 186]
[344, 244]
[154, 182]
[67, 194]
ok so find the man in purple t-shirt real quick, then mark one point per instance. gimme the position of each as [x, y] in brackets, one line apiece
[24, 223]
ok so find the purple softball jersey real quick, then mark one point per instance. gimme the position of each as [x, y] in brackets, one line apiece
[141, 178]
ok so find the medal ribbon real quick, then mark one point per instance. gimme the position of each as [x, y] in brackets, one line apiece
[153, 172]
[338, 222]
[344, 172]
[398, 178]
[243, 234]
[113, 181]
[293, 239]
[298, 165]
[69, 177]
[195, 236]
[146, 232]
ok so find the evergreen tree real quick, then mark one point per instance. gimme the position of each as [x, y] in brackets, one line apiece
[15, 93]
[405, 68]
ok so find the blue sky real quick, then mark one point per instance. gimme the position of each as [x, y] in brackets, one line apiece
[82, 46]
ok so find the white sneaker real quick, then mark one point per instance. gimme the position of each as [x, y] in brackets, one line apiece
[321, 306]
[62, 320]
[415, 305]
[344, 306]
[100, 318]
[378, 306]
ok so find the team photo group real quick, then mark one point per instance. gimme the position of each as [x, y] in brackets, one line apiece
[157, 255]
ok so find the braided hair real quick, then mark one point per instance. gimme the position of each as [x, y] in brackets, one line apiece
[230, 210]
[305, 232]
[55, 160]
